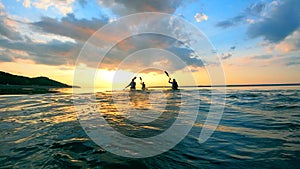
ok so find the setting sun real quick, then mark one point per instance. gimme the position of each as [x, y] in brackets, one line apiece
[149, 84]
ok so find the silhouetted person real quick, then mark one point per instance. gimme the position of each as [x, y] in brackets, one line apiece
[143, 85]
[132, 84]
[174, 84]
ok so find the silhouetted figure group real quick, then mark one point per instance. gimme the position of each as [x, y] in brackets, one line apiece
[132, 84]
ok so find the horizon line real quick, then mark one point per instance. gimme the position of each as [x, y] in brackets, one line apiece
[236, 85]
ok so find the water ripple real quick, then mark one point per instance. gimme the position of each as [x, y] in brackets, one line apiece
[259, 129]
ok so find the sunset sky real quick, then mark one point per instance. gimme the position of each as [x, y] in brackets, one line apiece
[257, 41]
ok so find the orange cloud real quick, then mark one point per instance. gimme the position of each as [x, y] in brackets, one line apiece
[290, 43]
[285, 47]
[149, 8]
[126, 46]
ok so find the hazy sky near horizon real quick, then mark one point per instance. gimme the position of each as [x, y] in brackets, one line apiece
[258, 41]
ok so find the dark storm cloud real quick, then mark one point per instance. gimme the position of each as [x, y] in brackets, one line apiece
[282, 22]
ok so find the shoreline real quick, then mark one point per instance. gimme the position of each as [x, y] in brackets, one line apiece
[29, 89]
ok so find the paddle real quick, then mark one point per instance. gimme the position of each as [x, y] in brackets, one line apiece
[167, 74]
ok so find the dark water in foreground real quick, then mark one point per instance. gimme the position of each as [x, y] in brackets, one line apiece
[259, 129]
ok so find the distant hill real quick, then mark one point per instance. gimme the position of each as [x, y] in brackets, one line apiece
[10, 79]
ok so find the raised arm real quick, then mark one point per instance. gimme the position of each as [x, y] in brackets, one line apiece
[128, 85]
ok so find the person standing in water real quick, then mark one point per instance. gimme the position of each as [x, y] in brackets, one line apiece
[143, 84]
[132, 84]
[174, 84]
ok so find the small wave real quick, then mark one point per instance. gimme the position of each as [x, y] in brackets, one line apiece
[77, 146]
[286, 106]
[42, 131]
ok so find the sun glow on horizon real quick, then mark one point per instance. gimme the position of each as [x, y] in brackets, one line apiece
[111, 79]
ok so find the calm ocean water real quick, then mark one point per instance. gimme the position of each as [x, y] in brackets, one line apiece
[260, 128]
